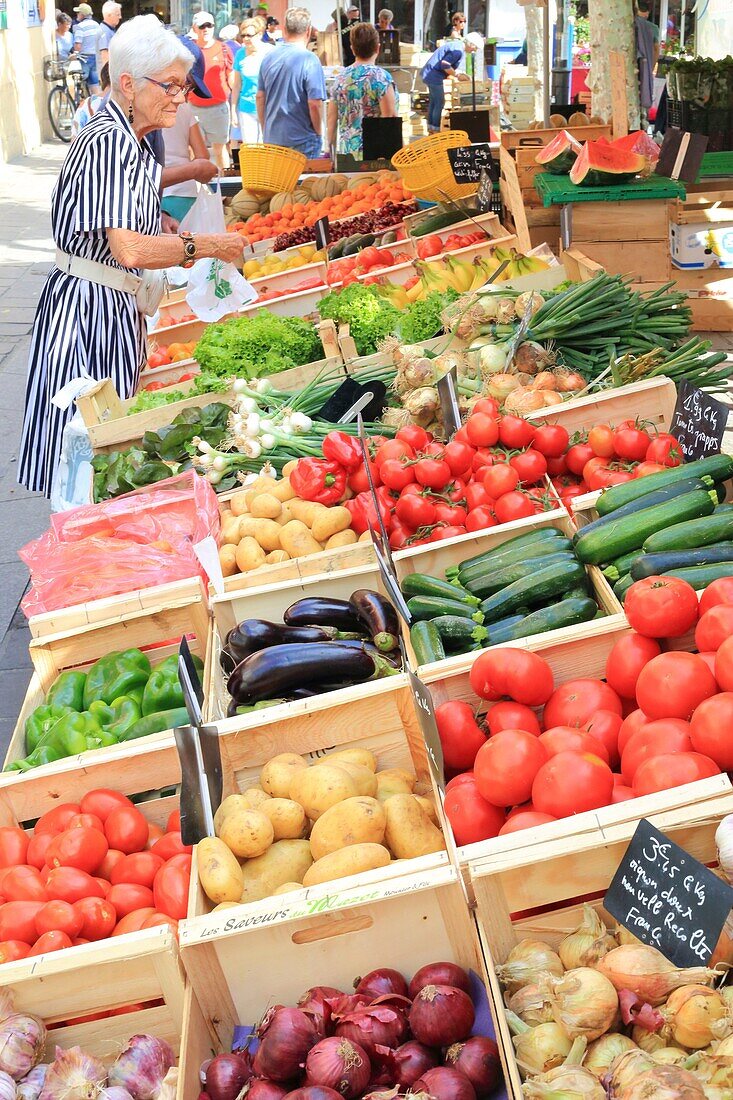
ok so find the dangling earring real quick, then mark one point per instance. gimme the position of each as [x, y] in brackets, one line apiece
[130, 113]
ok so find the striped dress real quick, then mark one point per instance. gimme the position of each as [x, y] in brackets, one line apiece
[109, 180]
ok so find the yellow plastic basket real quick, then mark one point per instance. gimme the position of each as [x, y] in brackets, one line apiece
[426, 170]
[270, 168]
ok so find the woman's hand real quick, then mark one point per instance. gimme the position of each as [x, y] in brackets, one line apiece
[228, 246]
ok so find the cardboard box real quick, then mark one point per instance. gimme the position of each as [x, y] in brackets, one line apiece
[701, 245]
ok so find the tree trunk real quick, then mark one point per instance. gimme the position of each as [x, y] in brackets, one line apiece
[535, 65]
[612, 28]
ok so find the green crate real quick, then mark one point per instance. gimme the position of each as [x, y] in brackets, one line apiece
[557, 190]
[716, 164]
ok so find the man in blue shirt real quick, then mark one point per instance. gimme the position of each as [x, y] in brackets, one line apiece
[85, 44]
[111, 17]
[440, 65]
[292, 90]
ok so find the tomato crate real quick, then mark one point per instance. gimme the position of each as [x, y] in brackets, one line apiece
[652, 401]
[156, 630]
[524, 893]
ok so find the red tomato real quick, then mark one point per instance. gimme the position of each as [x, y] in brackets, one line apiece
[37, 848]
[551, 440]
[556, 467]
[644, 469]
[605, 726]
[109, 862]
[578, 457]
[499, 479]
[710, 729]
[626, 660]
[140, 868]
[154, 833]
[71, 884]
[672, 685]
[661, 607]
[98, 918]
[160, 919]
[13, 846]
[414, 436]
[173, 824]
[630, 443]
[631, 725]
[527, 819]
[50, 941]
[24, 884]
[183, 859]
[477, 497]
[433, 473]
[393, 448]
[530, 465]
[601, 441]
[480, 518]
[506, 766]
[126, 830]
[83, 848]
[714, 628]
[513, 506]
[395, 475]
[471, 817]
[575, 702]
[665, 450]
[450, 514]
[415, 511]
[170, 890]
[667, 735]
[571, 783]
[512, 716]
[594, 472]
[10, 950]
[440, 533]
[482, 430]
[359, 481]
[460, 736]
[724, 665]
[127, 897]
[524, 677]
[18, 921]
[103, 801]
[56, 820]
[133, 922]
[459, 457]
[459, 780]
[87, 821]
[661, 773]
[570, 739]
[621, 793]
[488, 405]
[719, 592]
[59, 916]
[515, 432]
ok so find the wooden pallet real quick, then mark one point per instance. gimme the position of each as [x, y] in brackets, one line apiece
[507, 884]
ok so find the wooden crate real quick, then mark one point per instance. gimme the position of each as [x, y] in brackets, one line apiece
[157, 630]
[709, 296]
[403, 922]
[508, 884]
[647, 260]
[643, 220]
[529, 141]
[652, 401]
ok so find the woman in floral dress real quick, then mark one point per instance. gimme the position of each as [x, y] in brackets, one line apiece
[362, 90]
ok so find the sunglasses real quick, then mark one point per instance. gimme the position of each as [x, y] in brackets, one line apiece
[253, 35]
[172, 89]
[205, 26]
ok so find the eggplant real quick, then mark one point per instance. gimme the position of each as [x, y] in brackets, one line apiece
[393, 658]
[379, 617]
[253, 634]
[278, 671]
[323, 612]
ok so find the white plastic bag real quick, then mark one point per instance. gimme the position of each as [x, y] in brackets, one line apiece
[207, 213]
[72, 481]
[215, 288]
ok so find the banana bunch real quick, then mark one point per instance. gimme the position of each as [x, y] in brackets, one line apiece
[518, 264]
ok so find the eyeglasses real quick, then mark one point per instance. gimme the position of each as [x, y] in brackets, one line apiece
[205, 26]
[173, 88]
[252, 35]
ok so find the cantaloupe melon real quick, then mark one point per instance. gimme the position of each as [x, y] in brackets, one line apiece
[283, 198]
[245, 204]
[578, 118]
[558, 121]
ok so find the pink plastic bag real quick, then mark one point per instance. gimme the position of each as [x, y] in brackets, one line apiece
[142, 539]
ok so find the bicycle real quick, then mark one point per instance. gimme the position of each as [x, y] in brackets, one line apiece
[70, 89]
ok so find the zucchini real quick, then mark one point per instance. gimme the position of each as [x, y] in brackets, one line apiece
[659, 496]
[693, 534]
[718, 467]
[651, 565]
[622, 586]
[492, 582]
[618, 568]
[568, 612]
[457, 633]
[700, 576]
[502, 631]
[420, 584]
[511, 544]
[441, 220]
[426, 643]
[545, 583]
[431, 607]
[543, 548]
[629, 532]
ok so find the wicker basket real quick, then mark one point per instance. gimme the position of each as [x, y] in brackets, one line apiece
[270, 168]
[426, 170]
[53, 69]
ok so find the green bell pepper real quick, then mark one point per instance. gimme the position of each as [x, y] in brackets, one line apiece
[116, 675]
[74, 733]
[163, 689]
[118, 716]
[67, 690]
[40, 722]
[157, 723]
[44, 754]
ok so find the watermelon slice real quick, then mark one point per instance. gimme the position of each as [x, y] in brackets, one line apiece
[602, 165]
[559, 156]
[638, 142]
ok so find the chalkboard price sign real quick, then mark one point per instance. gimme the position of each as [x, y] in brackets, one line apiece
[468, 160]
[426, 717]
[323, 232]
[698, 422]
[668, 899]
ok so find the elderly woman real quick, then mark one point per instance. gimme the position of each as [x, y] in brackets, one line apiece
[64, 37]
[105, 213]
[245, 77]
[362, 90]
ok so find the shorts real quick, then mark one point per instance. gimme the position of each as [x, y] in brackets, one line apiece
[214, 121]
[89, 69]
[177, 206]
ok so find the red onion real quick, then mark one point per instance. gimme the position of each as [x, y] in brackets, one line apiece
[440, 973]
[339, 1064]
[346, 1003]
[411, 1061]
[478, 1058]
[316, 1003]
[441, 1015]
[286, 1035]
[313, 1092]
[260, 1089]
[226, 1076]
[378, 982]
[377, 1025]
[142, 1066]
[444, 1083]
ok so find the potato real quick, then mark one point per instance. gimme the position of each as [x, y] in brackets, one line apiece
[277, 774]
[285, 515]
[261, 484]
[365, 779]
[238, 504]
[248, 833]
[275, 557]
[284, 861]
[231, 803]
[390, 783]
[219, 872]
[287, 817]
[225, 905]
[427, 806]
[330, 523]
[288, 887]
[267, 534]
[410, 832]
[297, 540]
[289, 467]
[353, 821]
[250, 554]
[348, 861]
[319, 788]
[306, 510]
[230, 531]
[266, 506]
[228, 560]
[363, 757]
[247, 526]
[282, 490]
[342, 538]
[365, 536]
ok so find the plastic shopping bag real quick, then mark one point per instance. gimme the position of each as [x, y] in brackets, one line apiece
[216, 288]
[207, 213]
[72, 481]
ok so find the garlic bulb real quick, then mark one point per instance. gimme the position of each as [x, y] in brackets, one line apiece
[724, 844]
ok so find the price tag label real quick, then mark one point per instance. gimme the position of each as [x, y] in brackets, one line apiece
[698, 422]
[468, 161]
[323, 232]
[429, 727]
[668, 899]
[485, 191]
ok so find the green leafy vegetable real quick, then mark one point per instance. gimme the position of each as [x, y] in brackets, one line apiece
[252, 347]
[422, 320]
[154, 399]
[370, 318]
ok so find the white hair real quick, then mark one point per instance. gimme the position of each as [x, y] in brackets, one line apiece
[143, 47]
[109, 7]
[297, 20]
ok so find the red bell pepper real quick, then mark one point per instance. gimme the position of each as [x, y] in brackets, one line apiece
[364, 513]
[318, 480]
[344, 449]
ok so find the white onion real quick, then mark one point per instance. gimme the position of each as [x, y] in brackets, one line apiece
[492, 358]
